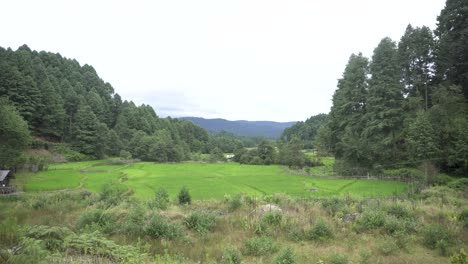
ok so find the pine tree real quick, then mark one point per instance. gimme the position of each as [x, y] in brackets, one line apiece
[422, 142]
[86, 131]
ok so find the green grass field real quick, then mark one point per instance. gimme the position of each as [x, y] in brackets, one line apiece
[205, 181]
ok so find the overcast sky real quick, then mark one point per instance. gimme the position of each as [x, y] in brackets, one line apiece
[250, 60]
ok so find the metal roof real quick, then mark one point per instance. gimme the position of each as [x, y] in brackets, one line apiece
[3, 174]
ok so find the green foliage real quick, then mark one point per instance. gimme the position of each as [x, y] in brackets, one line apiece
[14, 133]
[96, 220]
[260, 246]
[272, 218]
[111, 193]
[68, 153]
[184, 196]
[333, 205]
[232, 256]
[125, 154]
[321, 231]
[135, 221]
[337, 258]
[10, 232]
[459, 258]
[30, 251]
[371, 219]
[234, 203]
[437, 236]
[161, 199]
[459, 184]
[200, 222]
[286, 256]
[159, 227]
[51, 237]
[306, 131]
[388, 246]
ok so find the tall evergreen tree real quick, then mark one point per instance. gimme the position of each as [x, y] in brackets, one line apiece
[384, 113]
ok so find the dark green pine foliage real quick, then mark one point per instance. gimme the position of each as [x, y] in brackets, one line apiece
[14, 134]
[416, 59]
[422, 141]
[86, 138]
[348, 111]
[452, 48]
[384, 113]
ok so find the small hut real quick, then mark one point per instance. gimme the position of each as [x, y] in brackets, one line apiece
[5, 187]
[4, 177]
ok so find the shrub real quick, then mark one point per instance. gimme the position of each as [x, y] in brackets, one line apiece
[371, 220]
[184, 196]
[393, 225]
[111, 193]
[96, 219]
[388, 246]
[234, 203]
[52, 237]
[459, 184]
[433, 234]
[332, 206]
[338, 258]
[260, 246]
[134, 224]
[459, 258]
[464, 217]
[161, 199]
[286, 256]
[399, 211]
[159, 227]
[365, 256]
[30, 251]
[232, 256]
[125, 155]
[321, 231]
[272, 218]
[201, 222]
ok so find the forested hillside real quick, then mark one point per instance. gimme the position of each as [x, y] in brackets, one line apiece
[62, 101]
[267, 129]
[305, 131]
[407, 105]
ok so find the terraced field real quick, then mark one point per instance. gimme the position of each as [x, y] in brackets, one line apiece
[205, 181]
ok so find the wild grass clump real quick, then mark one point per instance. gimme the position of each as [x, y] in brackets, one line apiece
[338, 258]
[436, 236]
[286, 256]
[201, 222]
[272, 218]
[333, 205]
[231, 256]
[260, 246]
[159, 227]
[396, 225]
[97, 220]
[321, 231]
[371, 220]
[111, 193]
[10, 232]
[398, 211]
[135, 222]
[388, 245]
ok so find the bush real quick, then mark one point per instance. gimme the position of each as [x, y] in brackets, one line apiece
[125, 155]
[161, 199]
[134, 224]
[332, 206]
[159, 227]
[464, 217]
[96, 219]
[286, 256]
[52, 237]
[393, 225]
[184, 196]
[459, 184]
[321, 231]
[272, 218]
[234, 203]
[371, 220]
[459, 258]
[338, 258]
[260, 246]
[111, 193]
[434, 234]
[399, 211]
[232, 256]
[201, 222]
[388, 246]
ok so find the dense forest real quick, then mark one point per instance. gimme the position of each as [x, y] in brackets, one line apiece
[407, 105]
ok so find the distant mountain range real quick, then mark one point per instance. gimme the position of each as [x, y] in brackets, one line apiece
[268, 129]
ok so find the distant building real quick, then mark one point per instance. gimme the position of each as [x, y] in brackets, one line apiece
[4, 177]
[229, 156]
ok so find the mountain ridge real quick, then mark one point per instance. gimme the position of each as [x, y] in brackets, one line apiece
[268, 129]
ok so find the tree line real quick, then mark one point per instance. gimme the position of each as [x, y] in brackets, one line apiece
[408, 103]
[62, 101]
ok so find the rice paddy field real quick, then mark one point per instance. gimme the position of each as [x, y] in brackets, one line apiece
[204, 181]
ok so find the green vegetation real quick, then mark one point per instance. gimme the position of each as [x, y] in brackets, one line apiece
[204, 181]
